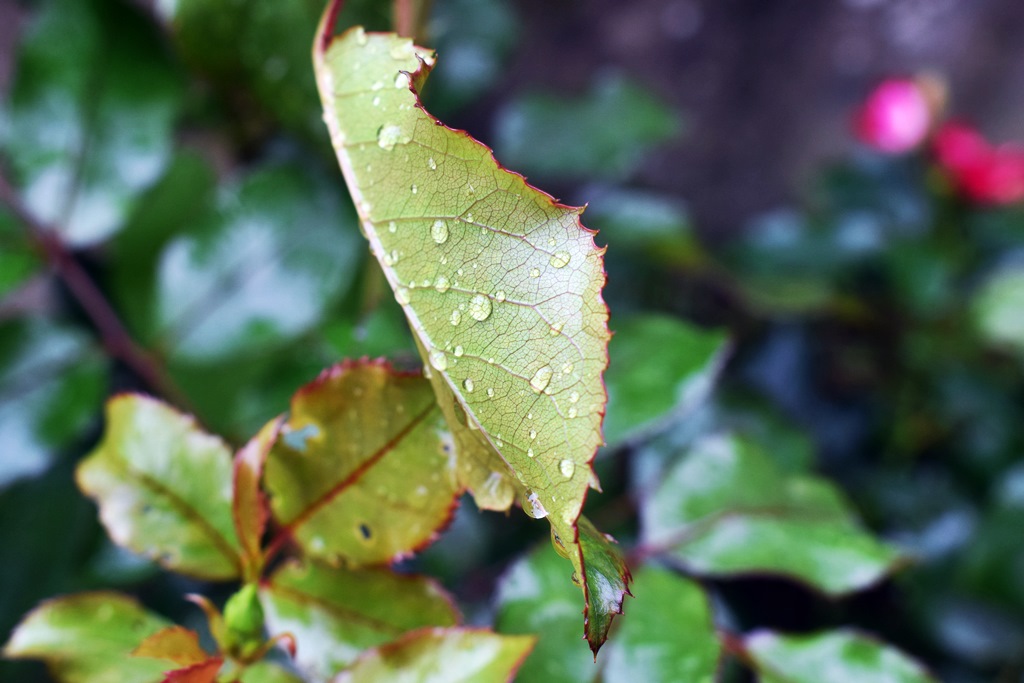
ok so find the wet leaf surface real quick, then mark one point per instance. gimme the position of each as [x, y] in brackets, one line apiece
[362, 472]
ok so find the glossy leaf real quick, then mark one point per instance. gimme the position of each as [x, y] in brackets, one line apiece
[726, 508]
[669, 635]
[51, 384]
[261, 269]
[442, 656]
[835, 656]
[535, 597]
[605, 583]
[336, 613]
[88, 638]
[174, 643]
[644, 387]
[479, 248]
[164, 488]
[249, 508]
[603, 133]
[362, 472]
[89, 118]
[501, 284]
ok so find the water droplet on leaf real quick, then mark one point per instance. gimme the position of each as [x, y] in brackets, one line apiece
[560, 259]
[567, 468]
[459, 351]
[439, 232]
[402, 295]
[442, 284]
[535, 272]
[455, 318]
[467, 384]
[541, 379]
[480, 307]
[499, 296]
[439, 359]
[390, 136]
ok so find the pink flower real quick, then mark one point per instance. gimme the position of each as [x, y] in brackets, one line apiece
[980, 172]
[895, 117]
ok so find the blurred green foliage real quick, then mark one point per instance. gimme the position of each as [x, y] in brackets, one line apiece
[876, 330]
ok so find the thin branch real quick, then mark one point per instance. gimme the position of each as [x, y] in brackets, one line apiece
[113, 334]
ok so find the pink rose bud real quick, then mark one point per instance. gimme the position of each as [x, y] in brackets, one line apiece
[895, 117]
[980, 172]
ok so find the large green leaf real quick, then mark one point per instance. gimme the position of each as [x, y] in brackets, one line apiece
[88, 122]
[51, 385]
[362, 471]
[835, 656]
[262, 269]
[657, 364]
[88, 638]
[726, 508]
[164, 488]
[442, 656]
[669, 635]
[336, 613]
[500, 283]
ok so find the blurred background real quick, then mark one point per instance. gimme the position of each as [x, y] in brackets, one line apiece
[172, 221]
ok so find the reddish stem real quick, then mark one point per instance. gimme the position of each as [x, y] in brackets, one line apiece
[113, 335]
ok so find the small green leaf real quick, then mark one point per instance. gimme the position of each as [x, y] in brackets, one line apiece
[535, 597]
[835, 656]
[52, 379]
[260, 270]
[88, 123]
[604, 133]
[726, 508]
[164, 488]
[361, 472]
[442, 656]
[668, 636]
[606, 582]
[88, 638]
[336, 613]
[644, 387]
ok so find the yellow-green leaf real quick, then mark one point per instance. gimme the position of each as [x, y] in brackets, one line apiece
[88, 638]
[164, 488]
[175, 644]
[336, 613]
[442, 656]
[500, 283]
[362, 471]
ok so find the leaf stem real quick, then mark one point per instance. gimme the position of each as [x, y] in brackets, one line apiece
[113, 334]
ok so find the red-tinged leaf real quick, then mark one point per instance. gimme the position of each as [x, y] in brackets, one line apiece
[249, 507]
[500, 283]
[361, 472]
[164, 488]
[601, 571]
[439, 655]
[174, 643]
[203, 672]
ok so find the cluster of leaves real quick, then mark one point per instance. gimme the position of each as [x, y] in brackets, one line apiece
[233, 291]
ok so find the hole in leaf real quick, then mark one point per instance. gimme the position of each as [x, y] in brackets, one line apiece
[364, 531]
